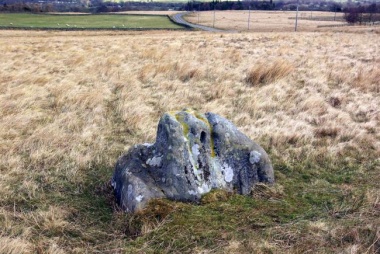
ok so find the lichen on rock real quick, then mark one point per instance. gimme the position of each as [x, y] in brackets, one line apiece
[193, 154]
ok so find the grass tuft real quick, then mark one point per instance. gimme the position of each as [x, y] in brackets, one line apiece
[265, 73]
[150, 218]
[331, 132]
[264, 191]
[216, 196]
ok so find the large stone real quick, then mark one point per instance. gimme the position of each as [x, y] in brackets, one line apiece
[193, 154]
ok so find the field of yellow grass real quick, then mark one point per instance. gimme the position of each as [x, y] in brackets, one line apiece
[271, 21]
[72, 102]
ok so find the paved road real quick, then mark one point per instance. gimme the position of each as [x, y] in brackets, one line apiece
[178, 19]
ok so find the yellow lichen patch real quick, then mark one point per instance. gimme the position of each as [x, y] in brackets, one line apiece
[185, 126]
[202, 118]
[172, 113]
[189, 110]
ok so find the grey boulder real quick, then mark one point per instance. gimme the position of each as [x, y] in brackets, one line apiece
[193, 154]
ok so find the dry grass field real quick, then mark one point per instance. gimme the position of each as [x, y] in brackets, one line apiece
[72, 102]
[269, 21]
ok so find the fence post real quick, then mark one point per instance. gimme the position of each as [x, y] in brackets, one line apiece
[249, 15]
[213, 21]
[295, 27]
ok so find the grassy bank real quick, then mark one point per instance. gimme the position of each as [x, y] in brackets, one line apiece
[73, 102]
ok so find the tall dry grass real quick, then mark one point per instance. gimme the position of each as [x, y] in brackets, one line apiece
[264, 73]
[72, 102]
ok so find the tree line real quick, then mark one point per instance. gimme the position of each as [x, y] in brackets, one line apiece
[108, 6]
[229, 5]
[362, 13]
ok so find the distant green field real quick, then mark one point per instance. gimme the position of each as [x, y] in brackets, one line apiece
[154, 1]
[86, 21]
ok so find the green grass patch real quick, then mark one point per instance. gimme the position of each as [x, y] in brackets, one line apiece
[306, 192]
[25, 20]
